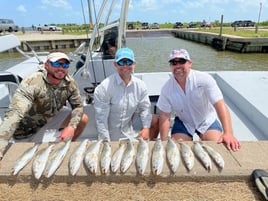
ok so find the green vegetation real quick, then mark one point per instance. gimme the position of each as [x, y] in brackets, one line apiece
[75, 29]
[242, 32]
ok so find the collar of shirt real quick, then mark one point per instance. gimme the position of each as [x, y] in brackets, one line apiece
[119, 80]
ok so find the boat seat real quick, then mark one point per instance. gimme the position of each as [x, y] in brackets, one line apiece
[8, 42]
[9, 77]
[9, 82]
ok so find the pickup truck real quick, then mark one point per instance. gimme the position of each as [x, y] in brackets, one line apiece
[49, 28]
[8, 25]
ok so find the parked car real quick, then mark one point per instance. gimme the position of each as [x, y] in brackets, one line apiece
[8, 25]
[191, 25]
[145, 25]
[131, 26]
[205, 24]
[178, 25]
[155, 26]
[249, 23]
[243, 23]
[49, 28]
[238, 23]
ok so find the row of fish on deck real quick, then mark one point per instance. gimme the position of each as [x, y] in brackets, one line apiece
[46, 163]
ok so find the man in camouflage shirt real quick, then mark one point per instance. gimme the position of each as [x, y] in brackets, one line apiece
[39, 98]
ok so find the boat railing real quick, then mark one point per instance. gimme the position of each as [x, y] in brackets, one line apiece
[98, 64]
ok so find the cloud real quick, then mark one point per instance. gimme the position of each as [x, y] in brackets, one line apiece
[21, 8]
[56, 3]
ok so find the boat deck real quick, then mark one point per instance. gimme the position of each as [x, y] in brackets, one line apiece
[245, 94]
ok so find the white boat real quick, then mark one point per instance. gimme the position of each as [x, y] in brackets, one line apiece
[244, 92]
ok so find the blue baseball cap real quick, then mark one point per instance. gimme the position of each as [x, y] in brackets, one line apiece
[124, 53]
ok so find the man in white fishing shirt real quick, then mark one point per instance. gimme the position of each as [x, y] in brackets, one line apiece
[122, 100]
[197, 101]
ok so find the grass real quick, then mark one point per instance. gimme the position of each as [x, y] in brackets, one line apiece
[242, 32]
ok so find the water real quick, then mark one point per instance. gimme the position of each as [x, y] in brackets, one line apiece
[152, 55]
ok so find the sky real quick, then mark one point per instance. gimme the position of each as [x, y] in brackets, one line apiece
[39, 12]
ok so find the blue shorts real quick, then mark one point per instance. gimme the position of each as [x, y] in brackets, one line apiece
[178, 127]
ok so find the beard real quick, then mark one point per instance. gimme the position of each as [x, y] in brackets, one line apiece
[58, 75]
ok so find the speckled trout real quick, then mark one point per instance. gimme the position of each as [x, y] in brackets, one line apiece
[202, 155]
[142, 156]
[173, 155]
[158, 153]
[91, 159]
[128, 157]
[77, 156]
[40, 161]
[216, 156]
[24, 159]
[56, 159]
[117, 157]
[187, 156]
[105, 158]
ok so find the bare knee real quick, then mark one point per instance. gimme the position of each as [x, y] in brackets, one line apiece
[211, 135]
[84, 119]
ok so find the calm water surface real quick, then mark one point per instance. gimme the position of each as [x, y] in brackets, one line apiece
[152, 55]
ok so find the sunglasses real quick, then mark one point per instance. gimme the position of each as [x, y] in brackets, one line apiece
[126, 62]
[174, 62]
[57, 64]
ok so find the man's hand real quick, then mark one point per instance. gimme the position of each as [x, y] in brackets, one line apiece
[145, 133]
[230, 141]
[66, 133]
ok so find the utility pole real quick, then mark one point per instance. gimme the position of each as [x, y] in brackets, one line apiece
[257, 26]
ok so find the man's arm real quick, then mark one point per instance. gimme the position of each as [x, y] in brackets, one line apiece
[225, 118]
[21, 103]
[102, 110]
[164, 125]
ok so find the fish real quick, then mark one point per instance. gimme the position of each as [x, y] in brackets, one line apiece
[105, 158]
[117, 157]
[187, 156]
[92, 157]
[128, 157]
[158, 153]
[56, 159]
[216, 156]
[203, 156]
[173, 155]
[24, 159]
[77, 157]
[40, 161]
[142, 156]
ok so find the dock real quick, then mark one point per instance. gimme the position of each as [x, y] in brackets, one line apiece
[49, 41]
[225, 42]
